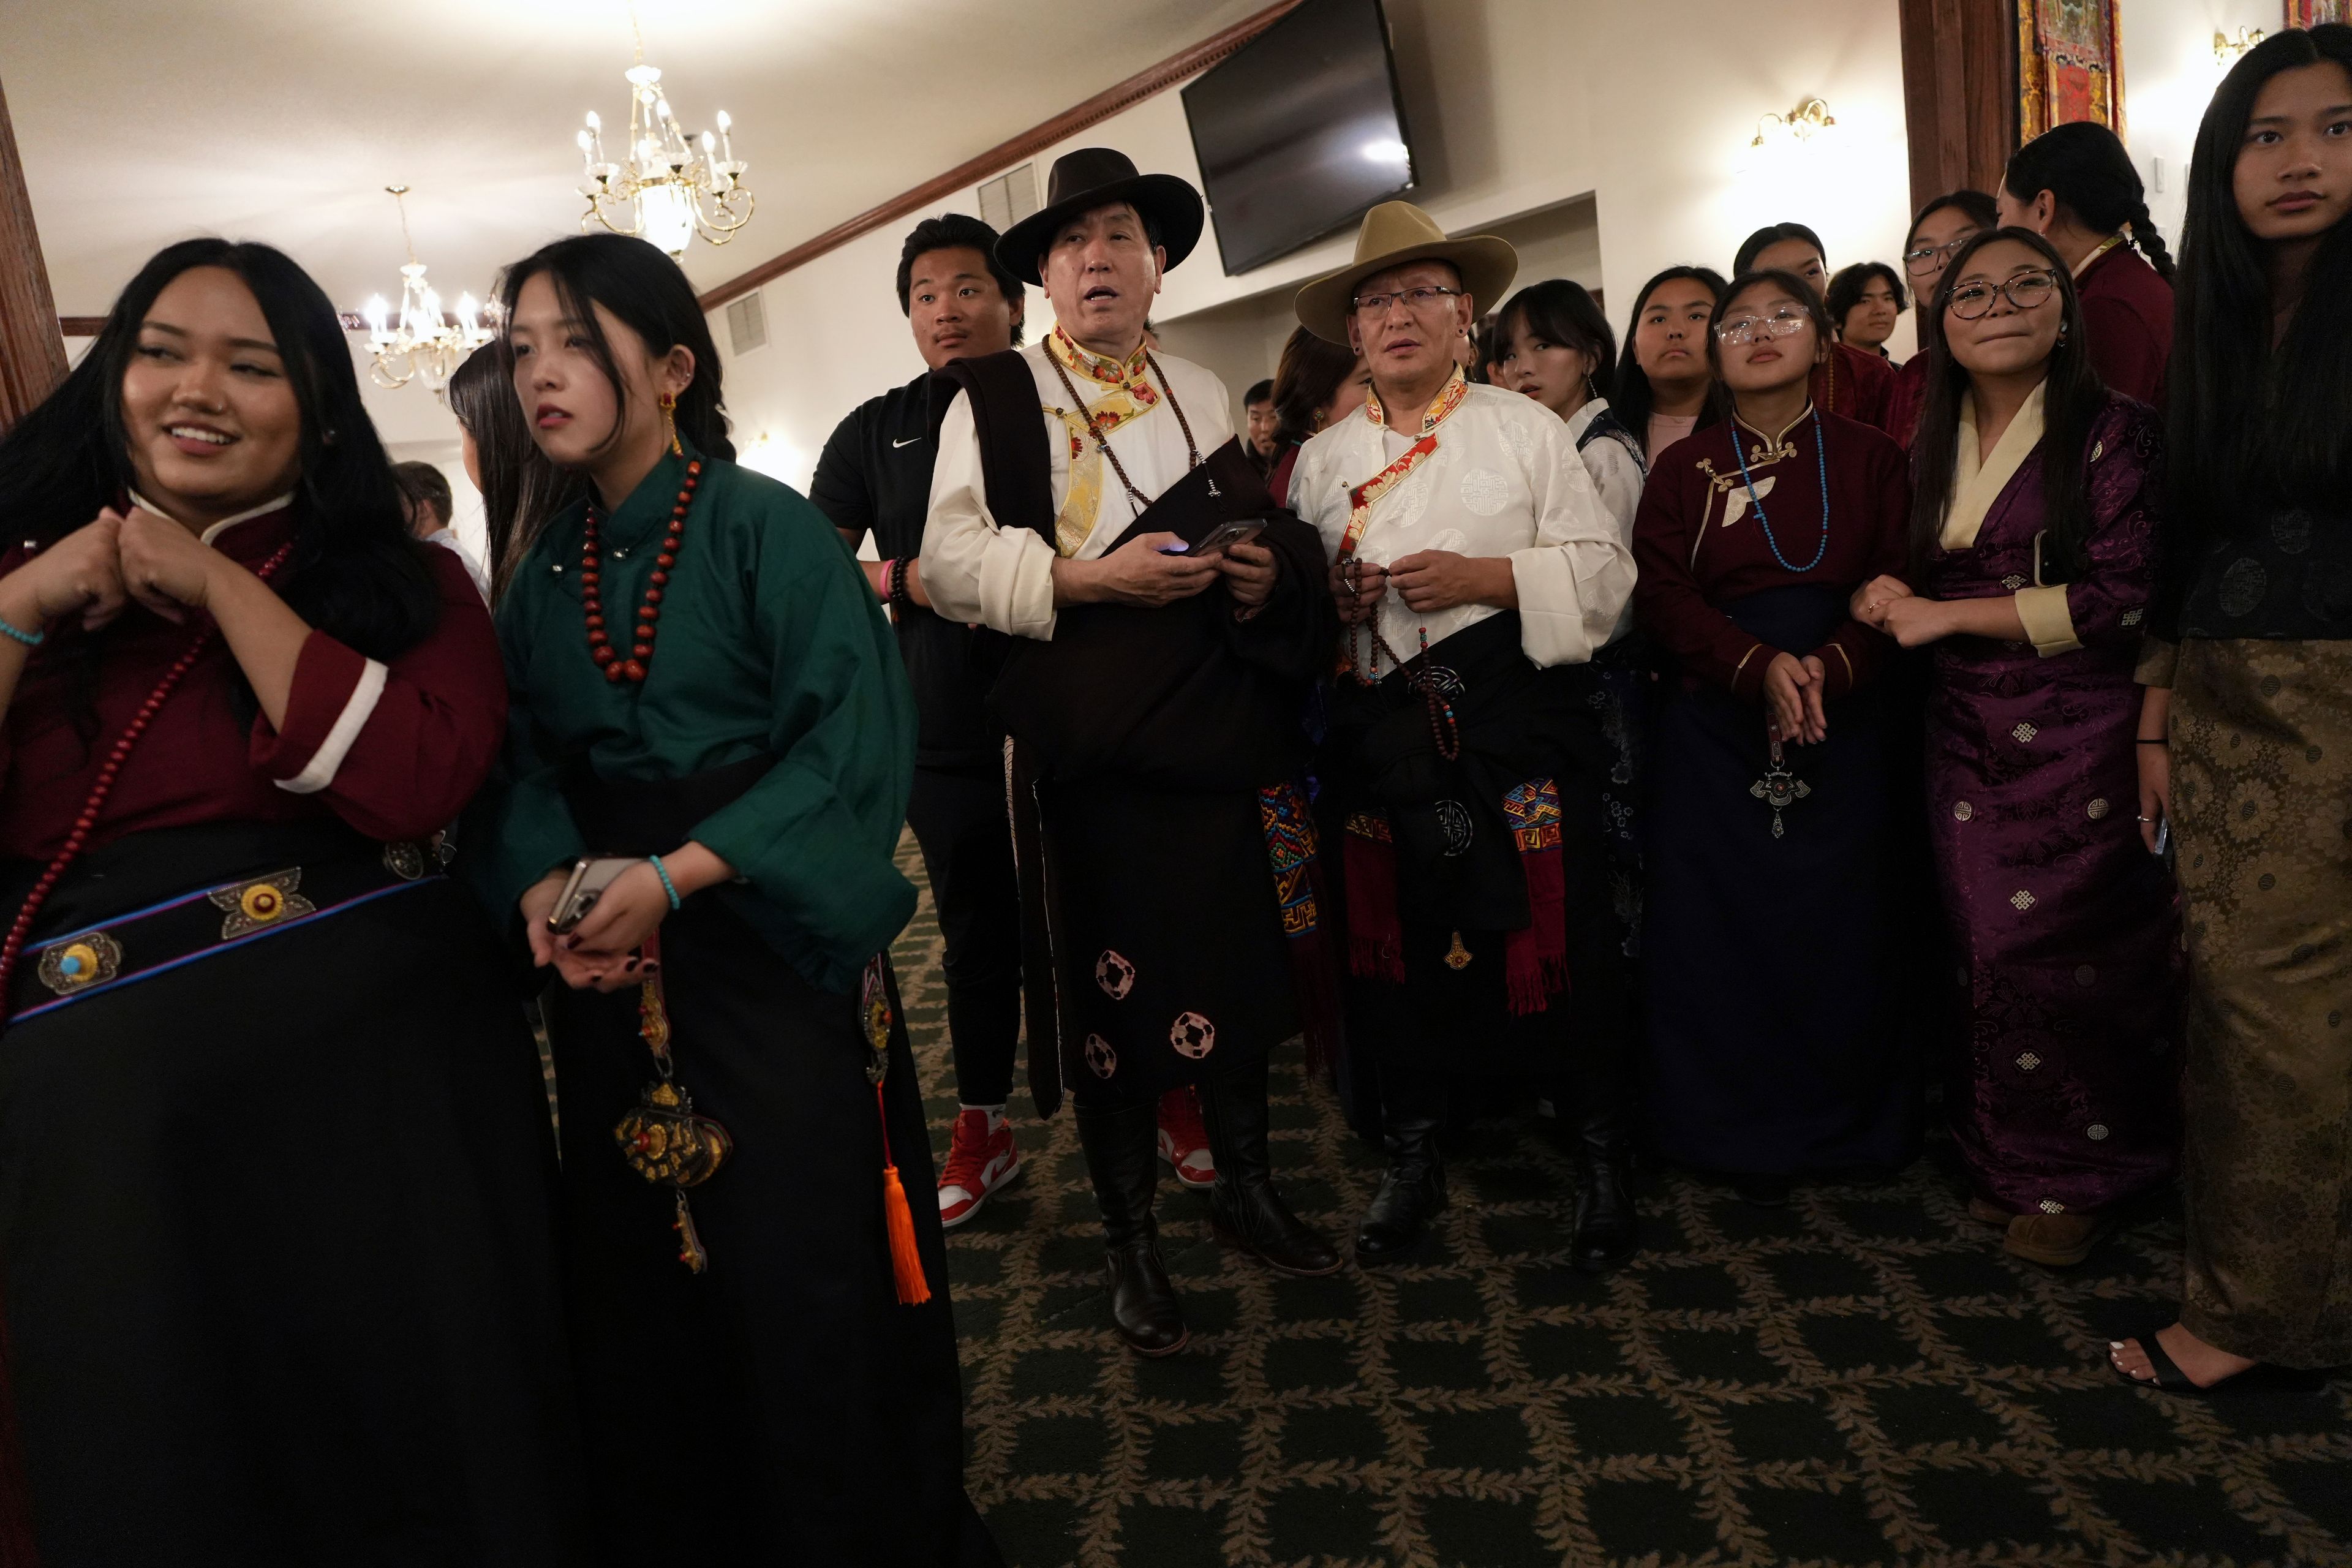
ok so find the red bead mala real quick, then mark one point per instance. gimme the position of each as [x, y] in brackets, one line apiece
[592, 600]
[108, 771]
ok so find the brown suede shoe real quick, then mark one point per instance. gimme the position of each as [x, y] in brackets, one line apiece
[1985, 1212]
[2056, 1240]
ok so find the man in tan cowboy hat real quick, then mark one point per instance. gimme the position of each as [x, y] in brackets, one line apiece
[1475, 569]
[1089, 499]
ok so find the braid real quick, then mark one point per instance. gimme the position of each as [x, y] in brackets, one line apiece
[2148, 242]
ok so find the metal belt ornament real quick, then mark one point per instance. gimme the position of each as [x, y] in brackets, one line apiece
[663, 1140]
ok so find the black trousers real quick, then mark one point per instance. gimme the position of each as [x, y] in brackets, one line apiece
[960, 824]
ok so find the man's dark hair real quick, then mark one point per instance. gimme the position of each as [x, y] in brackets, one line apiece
[1846, 286]
[1770, 235]
[427, 487]
[1262, 392]
[957, 231]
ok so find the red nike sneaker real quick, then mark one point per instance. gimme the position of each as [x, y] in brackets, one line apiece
[1185, 1140]
[979, 1162]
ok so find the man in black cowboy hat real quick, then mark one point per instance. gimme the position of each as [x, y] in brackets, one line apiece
[1089, 497]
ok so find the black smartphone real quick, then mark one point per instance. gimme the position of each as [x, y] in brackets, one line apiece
[1221, 537]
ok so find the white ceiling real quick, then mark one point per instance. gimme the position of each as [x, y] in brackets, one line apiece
[140, 123]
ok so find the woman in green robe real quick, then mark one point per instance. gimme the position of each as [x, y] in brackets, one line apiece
[765, 1375]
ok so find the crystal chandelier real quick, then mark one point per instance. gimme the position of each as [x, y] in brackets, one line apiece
[426, 342]
[666, 187]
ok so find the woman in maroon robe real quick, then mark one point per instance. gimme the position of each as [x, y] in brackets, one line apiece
[1943, 226]
[2033, 529]
[1771, 928]
[2076, 186]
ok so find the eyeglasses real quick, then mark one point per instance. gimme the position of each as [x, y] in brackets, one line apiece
[1420, 301]
[1928, 257]
[2026, 291]
[1781, 323]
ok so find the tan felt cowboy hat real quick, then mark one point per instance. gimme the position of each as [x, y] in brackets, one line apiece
[1095, 177]
[1395, 232]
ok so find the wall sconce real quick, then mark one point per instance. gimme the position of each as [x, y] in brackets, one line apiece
[1802, 123]
[2226, 49]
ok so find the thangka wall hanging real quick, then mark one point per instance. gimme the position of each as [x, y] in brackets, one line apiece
[2070, 64]
[2311, 13]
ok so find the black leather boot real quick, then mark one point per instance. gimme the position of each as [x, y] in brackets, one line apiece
[1606, 1231]
[1244, 1207]
[1413, 1108]
[1122, 1152]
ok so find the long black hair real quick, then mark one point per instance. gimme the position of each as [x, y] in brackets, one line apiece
[1560, 311]
[356, 573]
[2084, 166]
[2073, 397]
[520, 488]
[2249, 420]
[1632, 400]
[650, 296]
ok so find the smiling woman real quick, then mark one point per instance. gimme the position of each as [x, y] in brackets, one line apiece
[241, 1000]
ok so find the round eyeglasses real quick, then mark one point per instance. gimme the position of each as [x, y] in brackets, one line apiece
[1928, 257]
[1780, 323]
[2026, 291]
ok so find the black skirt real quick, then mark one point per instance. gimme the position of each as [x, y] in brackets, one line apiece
[278, 1240]
[1771, 963]
[782, 1406]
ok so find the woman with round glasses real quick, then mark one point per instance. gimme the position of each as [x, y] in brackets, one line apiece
[1942, 227]
[2254, 608]
[1768, 935]
[2033, 523]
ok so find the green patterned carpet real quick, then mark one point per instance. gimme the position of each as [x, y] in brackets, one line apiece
[1862, 1377]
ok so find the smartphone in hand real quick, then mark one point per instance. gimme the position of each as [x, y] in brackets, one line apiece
[591, 875]
[1219, 538]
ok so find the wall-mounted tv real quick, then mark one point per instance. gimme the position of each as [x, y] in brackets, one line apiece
[1300, 131]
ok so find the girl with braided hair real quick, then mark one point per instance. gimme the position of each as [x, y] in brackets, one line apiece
[2075, 186]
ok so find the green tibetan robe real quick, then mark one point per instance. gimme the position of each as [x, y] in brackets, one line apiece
[770, 641]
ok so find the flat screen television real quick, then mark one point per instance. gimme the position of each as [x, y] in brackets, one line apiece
[1300, 131]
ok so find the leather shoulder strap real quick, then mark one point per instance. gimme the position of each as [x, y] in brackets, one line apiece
[1014, 460]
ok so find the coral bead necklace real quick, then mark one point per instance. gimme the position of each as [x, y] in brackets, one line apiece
[609, 659]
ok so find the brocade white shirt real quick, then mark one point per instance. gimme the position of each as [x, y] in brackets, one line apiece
[976, 569]
[1505, 480]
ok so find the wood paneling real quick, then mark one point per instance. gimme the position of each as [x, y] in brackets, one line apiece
[1960, 92]
[32, 355]
[1144, 84]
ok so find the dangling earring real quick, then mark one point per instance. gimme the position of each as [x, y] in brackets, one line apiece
[1590, 390]
[670, 423]
[2062, 334]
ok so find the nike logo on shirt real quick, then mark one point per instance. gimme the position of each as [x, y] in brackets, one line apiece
[908, 442]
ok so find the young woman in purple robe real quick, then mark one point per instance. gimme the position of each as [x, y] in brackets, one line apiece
[2033, 523]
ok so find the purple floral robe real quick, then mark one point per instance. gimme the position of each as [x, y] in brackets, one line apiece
[2064, 1096]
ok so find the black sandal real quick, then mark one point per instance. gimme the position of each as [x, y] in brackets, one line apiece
[2259, 1378]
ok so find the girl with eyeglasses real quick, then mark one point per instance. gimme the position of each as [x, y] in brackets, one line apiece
[1942, 227]
[2252, 687]
[2033, 527]
[1770, 922]
[1848, 379]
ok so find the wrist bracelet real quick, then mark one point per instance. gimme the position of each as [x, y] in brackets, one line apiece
[899, 594]
[667, 886]
[9, 628]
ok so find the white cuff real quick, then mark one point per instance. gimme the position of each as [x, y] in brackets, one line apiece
[321, 770]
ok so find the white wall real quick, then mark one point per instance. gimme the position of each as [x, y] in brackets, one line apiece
[2169, 73]
[1514, 106]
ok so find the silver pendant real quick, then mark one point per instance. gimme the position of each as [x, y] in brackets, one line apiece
[1779, 788]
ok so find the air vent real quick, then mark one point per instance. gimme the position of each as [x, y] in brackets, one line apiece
[1007, 199]
[747, 323]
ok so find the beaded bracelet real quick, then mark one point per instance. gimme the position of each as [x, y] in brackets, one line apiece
[899, 593]
[30, 639]
[667, 886]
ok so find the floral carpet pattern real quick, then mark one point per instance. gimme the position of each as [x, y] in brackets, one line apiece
[1862, 1377]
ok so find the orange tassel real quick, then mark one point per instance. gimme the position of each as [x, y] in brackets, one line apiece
[906, 1262]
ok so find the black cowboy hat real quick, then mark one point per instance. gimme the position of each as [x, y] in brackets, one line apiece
[1095, 177]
